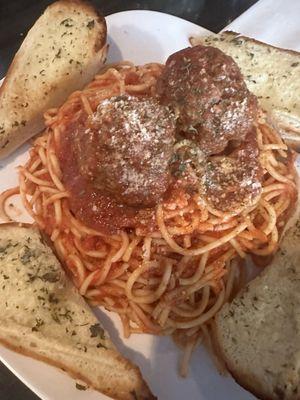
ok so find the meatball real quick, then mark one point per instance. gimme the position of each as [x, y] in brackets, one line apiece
[233, 182]
[207, 91]
[126, 148]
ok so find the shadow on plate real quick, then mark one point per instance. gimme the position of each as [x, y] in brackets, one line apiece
[114, 52]
[202, 383]
[18, 155]
[160, 364]
[116, 337]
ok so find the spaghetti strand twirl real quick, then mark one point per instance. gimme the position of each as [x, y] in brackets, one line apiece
[175, 277]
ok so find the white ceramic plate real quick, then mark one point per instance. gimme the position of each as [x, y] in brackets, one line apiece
[138, 36]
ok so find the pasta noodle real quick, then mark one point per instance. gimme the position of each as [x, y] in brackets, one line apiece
[172, 280]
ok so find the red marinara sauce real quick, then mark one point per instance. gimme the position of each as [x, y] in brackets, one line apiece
[115, 162]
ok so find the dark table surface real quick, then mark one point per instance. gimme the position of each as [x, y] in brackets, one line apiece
[17, 16]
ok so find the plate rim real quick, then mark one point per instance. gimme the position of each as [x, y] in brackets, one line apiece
[11, 365]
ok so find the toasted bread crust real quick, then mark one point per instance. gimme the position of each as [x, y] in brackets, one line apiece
[240, 378]
[84, 5]
[25, 264]
[237, 34]
[143, 394]
[257, 334]
[271, 73]
[48, 67]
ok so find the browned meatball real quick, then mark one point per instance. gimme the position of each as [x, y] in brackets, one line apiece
[233, 182]
[206, 88]
[229, 182]
[126, 148]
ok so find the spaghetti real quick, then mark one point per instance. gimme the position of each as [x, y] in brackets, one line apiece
[172, 279]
